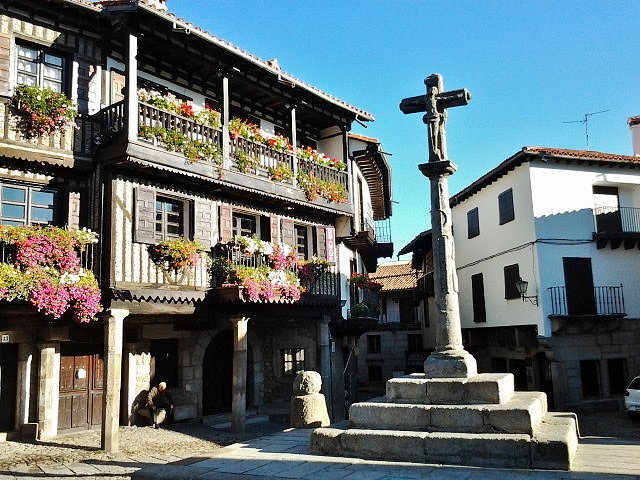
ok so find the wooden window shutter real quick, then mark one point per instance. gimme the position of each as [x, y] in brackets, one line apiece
[145, 215]
[226, 223]
[288, 232]
[204, 223]
[73, 220]
[477, 291]
[321, 242]
[275, 238]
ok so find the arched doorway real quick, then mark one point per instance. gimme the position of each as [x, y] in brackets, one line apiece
[217, 374]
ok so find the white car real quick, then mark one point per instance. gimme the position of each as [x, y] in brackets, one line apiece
[632, 399]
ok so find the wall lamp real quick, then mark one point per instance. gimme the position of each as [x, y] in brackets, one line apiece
[521, 286]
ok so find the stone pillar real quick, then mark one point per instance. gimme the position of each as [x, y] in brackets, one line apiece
[48, 390]
[24, 385]
[113, 322]
[324, 347]
[450, 359]
[239, 387]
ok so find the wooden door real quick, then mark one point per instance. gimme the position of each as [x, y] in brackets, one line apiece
[81, 390]
[8, 384]
[578, 280]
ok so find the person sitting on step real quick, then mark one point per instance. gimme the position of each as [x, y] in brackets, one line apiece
[159, 406]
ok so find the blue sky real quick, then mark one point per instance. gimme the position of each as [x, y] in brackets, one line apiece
[534, 69]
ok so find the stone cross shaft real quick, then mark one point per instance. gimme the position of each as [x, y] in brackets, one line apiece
[449, 359]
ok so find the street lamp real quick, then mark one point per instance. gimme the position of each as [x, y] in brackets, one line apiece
[521, 286]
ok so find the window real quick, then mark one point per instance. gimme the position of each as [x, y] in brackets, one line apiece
[473, 223]
[38, 67]
[164, 354]
[373, 344]
[511, 276]
[292, 360]
[414, 343]
[505, 206]
[169, 218]
[590, 378]
[302, 242]
[24, 205]
[477, 290]
[244, 225]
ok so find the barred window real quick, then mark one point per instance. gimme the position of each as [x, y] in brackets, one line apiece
[292, 360]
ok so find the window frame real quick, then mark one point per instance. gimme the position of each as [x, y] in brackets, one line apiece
[294, 358]
[374, 344]
[301, 232]
[163, 222]
[239, 230]
[28, 204]
[41, 62]
[506, 211]
[478, 299]
[473, 223]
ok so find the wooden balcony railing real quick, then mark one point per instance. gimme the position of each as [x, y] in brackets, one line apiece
[87, 256]
[606, 300]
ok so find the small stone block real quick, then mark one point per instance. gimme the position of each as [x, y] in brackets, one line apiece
[489, 388]
[29, 431]
[555, 441]
[391, 416]
[385, 444]
[407, 389]
[445, 391]
[326, 441]
[456, 419]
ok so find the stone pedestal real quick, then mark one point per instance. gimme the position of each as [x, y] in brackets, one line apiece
[450, 364]
[308, 405]
[474, 421]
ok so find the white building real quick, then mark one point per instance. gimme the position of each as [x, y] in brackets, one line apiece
[568, 223]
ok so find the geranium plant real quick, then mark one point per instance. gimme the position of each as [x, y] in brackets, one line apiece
[42, 110]
[314, 187]
[311, 270]
[280, 173]
[175, 141]
[45, 271]
[362, 280]
[176, 255]
[246, 163]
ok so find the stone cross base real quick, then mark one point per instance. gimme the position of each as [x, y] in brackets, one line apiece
[450, 364]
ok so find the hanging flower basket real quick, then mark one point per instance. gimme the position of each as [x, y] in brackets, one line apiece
[42, 110]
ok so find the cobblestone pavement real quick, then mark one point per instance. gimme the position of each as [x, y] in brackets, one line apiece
[137, 444]
[78, 455]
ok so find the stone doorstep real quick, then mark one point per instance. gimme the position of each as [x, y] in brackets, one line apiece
[521, 414]
[552, 446]
[481, 388]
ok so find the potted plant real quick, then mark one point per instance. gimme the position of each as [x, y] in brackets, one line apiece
[176, 255]
[42, 110]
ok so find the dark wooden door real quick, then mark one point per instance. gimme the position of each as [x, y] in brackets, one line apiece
[217, 376]
[8, 386]
[81, 391]
[578, 280]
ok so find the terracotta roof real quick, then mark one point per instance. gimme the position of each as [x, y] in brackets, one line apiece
[267, 65]
[528, 154]
[395, 276]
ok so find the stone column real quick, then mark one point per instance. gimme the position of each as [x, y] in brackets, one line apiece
[239, 387]
[450, 359]
[324, 353]
[24, 385]
[113, 322]
[48, 390]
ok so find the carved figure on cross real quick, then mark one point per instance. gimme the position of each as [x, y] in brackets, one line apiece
[435, 103]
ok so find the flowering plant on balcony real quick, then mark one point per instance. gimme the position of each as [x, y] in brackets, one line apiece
[280, 173]
[247, 130]
[175, 255]
[280, 255]
[311, 155]
[278, 143]
[42, 110]
[206, 116]
[311, 270]
[246, 163]
[221, 268]
[175, 141]
[313, 188]
[45, 271]
[362, 280]
[264, 283]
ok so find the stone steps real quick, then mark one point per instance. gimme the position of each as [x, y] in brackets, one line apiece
[551, 446]
[518, 415]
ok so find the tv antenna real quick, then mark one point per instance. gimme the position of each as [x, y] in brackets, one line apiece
[585, 120]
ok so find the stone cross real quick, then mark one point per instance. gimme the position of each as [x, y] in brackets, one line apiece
[449, 359]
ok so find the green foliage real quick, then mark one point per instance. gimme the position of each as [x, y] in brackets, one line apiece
[42, 110]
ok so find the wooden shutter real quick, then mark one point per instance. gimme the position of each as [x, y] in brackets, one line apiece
[204, 222]
[73, 220]
[118, 83]
[226, 223]
[321, 242]
[288, 232]
[145, 215]
[511, 276]
[274, 229]
[477, 290]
